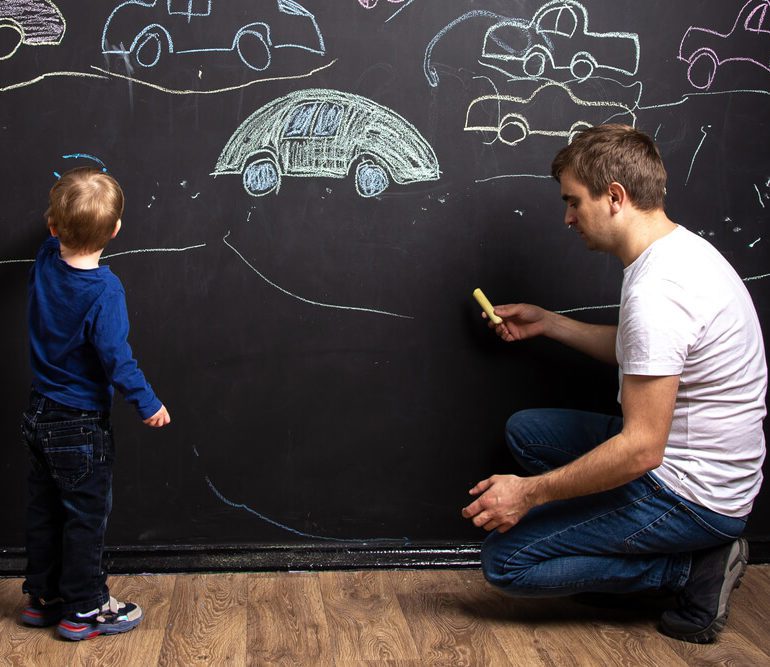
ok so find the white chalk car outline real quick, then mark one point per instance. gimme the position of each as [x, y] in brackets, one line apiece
[324, 132]
[371, 4]
[544, 40]
[147, 27]
[510, 114]
[708, 49]
[36, 22]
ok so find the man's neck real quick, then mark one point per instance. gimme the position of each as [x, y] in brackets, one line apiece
[79, 260]
[644, 228]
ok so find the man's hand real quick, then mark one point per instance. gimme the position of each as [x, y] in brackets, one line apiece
[523, 320]
[160, 418]
[503, 501]
[520, 321]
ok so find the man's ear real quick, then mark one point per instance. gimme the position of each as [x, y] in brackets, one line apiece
[117, 228]
[618, 196]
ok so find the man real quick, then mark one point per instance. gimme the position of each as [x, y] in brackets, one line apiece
[655, 500]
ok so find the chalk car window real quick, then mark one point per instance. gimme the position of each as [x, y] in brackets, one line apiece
[558, 21]
[298, 124]
[328, 121]
[759, 20]
[189, 7]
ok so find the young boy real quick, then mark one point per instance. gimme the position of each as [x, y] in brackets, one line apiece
[78, 330]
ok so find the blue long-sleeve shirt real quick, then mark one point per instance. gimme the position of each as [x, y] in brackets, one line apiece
[78, 333]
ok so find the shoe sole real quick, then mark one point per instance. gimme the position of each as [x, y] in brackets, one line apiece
[77, 632]
[737, 561]
[37, 620]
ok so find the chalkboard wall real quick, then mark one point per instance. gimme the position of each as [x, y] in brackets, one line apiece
[314, 189]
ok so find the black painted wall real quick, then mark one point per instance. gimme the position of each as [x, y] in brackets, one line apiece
[331, 383]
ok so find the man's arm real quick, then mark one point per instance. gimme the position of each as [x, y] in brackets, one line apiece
[522, 320]
[648, 408]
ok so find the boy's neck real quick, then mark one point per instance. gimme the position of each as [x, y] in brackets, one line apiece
[79, 260]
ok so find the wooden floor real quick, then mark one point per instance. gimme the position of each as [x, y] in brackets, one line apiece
[403, 617]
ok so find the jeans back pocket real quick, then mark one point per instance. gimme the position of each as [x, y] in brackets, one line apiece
[70, 456]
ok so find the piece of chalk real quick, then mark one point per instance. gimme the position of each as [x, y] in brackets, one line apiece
[484, 303]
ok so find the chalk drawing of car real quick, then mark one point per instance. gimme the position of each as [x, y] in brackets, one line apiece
[34, 22]
[323, 132]
[551, 110]
[146, 29]
[557, 37]
[369, 4]
[704, 50]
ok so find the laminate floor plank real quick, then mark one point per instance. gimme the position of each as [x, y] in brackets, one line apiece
[445, 627]
[206, 621]
[286, 620]
[749, 608]
[364, 618]
[732, 649]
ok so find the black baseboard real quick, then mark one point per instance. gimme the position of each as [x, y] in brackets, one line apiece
[251, 558]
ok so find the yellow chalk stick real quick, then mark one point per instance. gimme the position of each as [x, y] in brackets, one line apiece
[484, 303]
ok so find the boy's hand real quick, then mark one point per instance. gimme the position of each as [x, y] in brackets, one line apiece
[160, 418]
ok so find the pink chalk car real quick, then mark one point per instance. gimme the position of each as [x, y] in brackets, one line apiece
[705, 49]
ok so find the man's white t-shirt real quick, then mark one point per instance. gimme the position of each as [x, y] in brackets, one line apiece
[685, 311]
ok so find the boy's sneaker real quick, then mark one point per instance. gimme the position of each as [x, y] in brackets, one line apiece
[40, 613]
[113, 617]
[704, 602]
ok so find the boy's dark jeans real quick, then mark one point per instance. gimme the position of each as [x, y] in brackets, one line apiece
[70, 497]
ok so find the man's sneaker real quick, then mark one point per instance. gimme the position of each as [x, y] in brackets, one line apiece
[113, 617]
[705, 600]
[40, 613]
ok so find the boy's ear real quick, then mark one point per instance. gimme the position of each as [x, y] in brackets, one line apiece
[52, 227]
[117, 228]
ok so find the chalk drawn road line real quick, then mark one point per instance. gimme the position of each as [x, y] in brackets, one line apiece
[303, 299]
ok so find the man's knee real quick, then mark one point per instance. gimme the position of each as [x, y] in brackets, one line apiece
[491, 565]
[502, 568]
[514, 426]
[519, 427]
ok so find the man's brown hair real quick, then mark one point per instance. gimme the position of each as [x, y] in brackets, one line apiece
[85, 204]
[605, 154]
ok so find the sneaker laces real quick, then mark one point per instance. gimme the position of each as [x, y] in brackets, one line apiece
[113, 605]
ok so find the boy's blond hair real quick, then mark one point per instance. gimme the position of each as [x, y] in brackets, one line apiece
[84, 207]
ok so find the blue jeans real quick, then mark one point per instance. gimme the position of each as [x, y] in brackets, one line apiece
[638, 537]
[70, 497]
